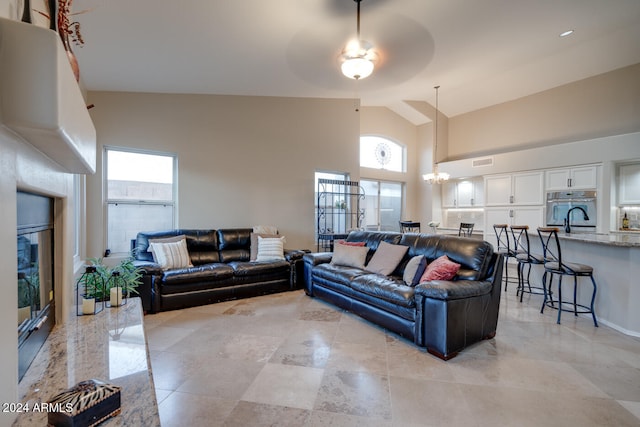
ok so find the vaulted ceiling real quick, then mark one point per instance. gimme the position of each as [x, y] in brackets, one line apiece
[481, 53]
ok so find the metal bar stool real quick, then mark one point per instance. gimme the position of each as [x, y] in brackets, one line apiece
[409, 227]
[555, 265]
[504, 248]
[466, 229]
[523, 255]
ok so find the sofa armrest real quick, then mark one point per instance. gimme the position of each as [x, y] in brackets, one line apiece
[292, 255]
[450, 290]
[295, 258]
[148, 267]
[310, 261]
[148, 288]
[317, 258]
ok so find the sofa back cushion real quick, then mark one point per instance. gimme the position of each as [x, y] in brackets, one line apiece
[202, 245]
[234, 244]
[373, 238]
[473, 255]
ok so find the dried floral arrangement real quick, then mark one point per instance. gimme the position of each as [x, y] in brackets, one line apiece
[65, 26]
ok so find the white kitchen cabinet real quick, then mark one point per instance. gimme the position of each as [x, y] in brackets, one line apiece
[449, 194]
[463, 193]
[524, 188]
[629, 185]
[578, 178]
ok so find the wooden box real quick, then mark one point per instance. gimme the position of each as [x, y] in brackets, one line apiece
[86, 404]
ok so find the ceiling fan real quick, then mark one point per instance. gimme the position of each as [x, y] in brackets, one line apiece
[359, 56]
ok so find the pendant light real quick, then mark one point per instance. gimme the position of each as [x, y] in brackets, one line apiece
[358, 57]
[435, 177]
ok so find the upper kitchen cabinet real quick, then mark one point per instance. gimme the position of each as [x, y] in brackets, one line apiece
[525, 188]
[629, 186]
[578, 178]
[463, 193]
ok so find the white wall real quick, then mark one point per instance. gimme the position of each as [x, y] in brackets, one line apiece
[242, 160]
[604, 105]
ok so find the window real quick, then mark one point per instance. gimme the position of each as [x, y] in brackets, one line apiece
[383, 205]
[381, 153]
[141, 194]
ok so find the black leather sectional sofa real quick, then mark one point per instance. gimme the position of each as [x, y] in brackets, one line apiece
[221, 270]
[443, 316]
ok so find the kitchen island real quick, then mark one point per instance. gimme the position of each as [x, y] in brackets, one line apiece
[109, 346]
[615, 258]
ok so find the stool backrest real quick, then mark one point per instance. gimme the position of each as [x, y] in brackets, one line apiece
[550, 244]
[504, 245]
[466, 229]
[521, 244]
[409, 227]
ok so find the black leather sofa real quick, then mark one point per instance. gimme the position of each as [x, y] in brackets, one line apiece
[221, 270]
[443, 316]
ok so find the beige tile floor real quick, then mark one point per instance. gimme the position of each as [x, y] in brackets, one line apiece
[290, 360]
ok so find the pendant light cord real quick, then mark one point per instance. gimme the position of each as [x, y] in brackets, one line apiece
[435, 149]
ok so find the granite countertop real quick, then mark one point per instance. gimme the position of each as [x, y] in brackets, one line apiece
[109, 346]
[621, 239]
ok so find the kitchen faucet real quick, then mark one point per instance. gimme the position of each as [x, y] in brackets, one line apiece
[567, 227]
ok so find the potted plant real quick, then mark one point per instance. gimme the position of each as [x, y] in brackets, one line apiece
[124, 280]
[91, 288]
[98, 280]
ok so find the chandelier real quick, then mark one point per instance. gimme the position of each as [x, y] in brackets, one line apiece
[435, 177]
[358, 57]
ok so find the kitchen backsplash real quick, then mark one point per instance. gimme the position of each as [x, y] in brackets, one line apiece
[633, 215]
[453, 218]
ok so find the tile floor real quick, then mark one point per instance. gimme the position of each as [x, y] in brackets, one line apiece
[290, 360]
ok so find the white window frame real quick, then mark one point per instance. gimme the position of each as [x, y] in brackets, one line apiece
[389, 142]
[105, 168]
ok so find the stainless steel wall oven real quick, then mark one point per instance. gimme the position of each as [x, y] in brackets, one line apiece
[560, 202]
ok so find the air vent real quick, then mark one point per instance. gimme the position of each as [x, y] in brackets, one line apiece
[487, 161]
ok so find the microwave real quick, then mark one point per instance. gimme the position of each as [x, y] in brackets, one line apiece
[560, 202]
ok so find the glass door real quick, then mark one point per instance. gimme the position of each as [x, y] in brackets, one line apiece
[383, 205]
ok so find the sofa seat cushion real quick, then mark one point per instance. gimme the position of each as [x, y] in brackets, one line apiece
[392, 290]
[206, 272]
[337, 273]
[259, 268]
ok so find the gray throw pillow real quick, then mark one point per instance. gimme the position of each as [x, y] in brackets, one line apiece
[414, 270]
[349, 256]
[386, 258]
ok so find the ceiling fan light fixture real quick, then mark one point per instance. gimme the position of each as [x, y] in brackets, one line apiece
[358, 59]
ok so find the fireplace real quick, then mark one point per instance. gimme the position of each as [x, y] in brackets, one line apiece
[35, 261]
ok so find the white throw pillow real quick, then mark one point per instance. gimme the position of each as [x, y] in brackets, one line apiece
[270, 248]
[171, 254]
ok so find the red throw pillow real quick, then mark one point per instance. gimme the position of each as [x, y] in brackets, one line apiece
[440, 269]
[344, 242]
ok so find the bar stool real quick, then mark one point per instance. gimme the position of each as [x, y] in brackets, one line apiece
[504, 248]
[409, 227]
[524, 257]
[466, 228]
[554, 265]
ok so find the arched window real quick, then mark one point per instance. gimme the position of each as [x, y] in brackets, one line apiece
[381, 153]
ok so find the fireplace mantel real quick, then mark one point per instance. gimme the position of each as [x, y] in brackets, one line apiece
[40, 100]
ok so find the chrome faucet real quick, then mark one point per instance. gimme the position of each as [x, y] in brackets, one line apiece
[567, 227]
